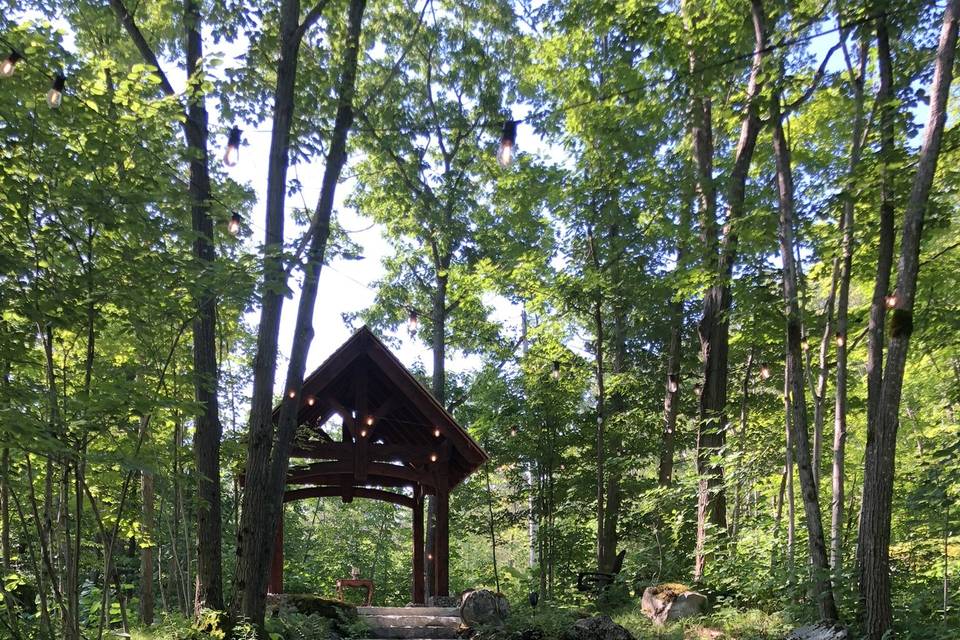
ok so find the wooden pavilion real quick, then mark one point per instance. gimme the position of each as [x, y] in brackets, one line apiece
[396, 443]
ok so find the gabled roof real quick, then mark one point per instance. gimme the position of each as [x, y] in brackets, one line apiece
[395, 432]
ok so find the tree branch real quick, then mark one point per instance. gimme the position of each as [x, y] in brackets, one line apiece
[310, 19]
[126, 19]
[818, 76]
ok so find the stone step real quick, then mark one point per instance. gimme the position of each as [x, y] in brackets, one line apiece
[410, 633]
[409, 611]
[411, 621]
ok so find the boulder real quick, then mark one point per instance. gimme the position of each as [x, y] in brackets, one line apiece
[820, 631]
[307, 604]
[443, 601]
[597, 628]
[671, 602]
[483, 608]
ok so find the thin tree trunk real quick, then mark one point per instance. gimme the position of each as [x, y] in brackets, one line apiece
[671, 396]
[741, 447]
[147, 550]
[611, 535]
[798, 408]
[267, 465]
[857, 79]
[602, 553]
[819, 392]
[789, 492]
[874, 540]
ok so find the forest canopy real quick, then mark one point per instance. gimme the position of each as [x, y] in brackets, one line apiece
[685, 270]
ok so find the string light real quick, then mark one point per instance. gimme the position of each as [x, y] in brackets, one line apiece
[413, 321]
[555, 374]
[841, 339]
[513, 432]
[232, 154]
[55, 95]
[891, 301]
[292, 393]
[234, 225]
[311, 401]
[363, 433]
[805, 343]
[436, 432]
[697, 388]
[508, 143]
[765, 371]
[673, 382]
[433, 457]
[9, 64]
[369, 421]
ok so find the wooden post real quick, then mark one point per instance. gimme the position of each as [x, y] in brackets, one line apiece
[418, 576]
[276, 566]
[442, 541]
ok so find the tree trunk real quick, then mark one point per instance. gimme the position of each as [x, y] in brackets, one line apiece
[819, 392]
[611, 536]
[798, 408]
[263, 498]
[207, 430]
[874, 539]
[857, 78]
[671, 396]
[439, 388]
[714, 328]
[255, 533]
[741, 447]
[146, 551]
[788, 477]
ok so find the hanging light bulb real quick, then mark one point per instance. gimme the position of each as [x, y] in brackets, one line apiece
[413, 321]
[55, 95]
[841, 339]
[433, 457]
[363, 433]
[513, 432]
[234, 225]
[311, 401]
[508, 143]
[891, 300]
[673, 382]
[232, 154]
[697, 388]
[555, 374]
[292, 393]
[369, 421]
[765, 371]
[805, 343]
[436, 432]
[9, 64]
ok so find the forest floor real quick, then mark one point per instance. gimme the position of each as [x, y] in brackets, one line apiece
[728, 624]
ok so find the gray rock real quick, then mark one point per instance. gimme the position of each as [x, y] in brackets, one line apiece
[820, 631]
[671, 602]
[483, 608]
[597, 628]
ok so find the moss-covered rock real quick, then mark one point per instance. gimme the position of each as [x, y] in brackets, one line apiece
[311, 604]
